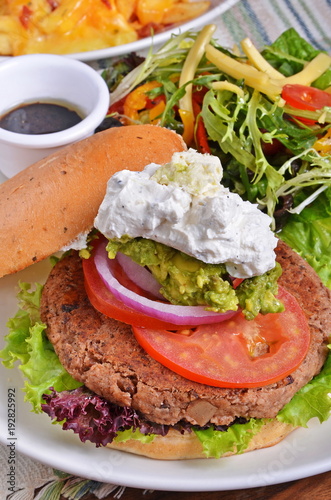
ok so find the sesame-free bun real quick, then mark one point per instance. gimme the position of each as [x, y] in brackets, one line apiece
[49, 204]
[177, 446]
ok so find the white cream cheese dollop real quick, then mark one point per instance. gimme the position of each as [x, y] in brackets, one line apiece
[184, 205]
[78, 243]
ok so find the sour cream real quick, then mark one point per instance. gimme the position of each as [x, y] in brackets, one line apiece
[184, 205]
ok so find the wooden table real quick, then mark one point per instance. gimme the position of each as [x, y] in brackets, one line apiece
[311, 488]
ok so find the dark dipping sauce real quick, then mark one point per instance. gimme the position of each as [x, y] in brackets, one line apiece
[39, 118]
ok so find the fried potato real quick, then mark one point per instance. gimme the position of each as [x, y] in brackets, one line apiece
[69, 26]
[153, 11]
[11, 32]
[127, 8]
[182, 12]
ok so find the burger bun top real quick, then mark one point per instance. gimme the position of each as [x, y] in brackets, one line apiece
[49, 204]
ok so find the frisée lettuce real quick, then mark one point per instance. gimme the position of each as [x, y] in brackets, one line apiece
[50, 388]
[240, 120]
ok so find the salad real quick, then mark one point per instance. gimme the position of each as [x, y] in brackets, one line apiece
[266, 114]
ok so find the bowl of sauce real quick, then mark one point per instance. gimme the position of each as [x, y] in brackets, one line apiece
[46, 102]
[40, 118]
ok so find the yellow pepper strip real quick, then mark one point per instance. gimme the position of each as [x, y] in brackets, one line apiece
[252, 76]
[187, 118]
[323, 144]
[257, 60]
[137, 100]
[155, 113]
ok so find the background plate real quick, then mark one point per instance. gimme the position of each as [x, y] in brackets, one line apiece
[304, 453]
[217, 8]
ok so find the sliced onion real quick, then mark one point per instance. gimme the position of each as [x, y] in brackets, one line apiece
[139, 275]
[177, 315]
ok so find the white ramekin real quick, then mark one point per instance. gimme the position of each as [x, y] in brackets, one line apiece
[53, 78]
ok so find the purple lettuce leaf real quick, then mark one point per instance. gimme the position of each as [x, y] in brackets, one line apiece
[94, 418]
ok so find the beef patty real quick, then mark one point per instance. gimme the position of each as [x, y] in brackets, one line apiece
[104, 355]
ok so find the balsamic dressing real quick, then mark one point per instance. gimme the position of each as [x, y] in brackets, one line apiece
[39, 118]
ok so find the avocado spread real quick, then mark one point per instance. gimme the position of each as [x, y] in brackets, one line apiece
[186, 280]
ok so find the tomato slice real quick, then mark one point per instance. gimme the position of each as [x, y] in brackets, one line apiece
[236, 352]
[105, 302]
[303, 97]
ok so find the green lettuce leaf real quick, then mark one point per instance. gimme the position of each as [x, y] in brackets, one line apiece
[124, 436]
[289, 52]
[28, 344]
[313, 400]
[309, 233]
[235, 439]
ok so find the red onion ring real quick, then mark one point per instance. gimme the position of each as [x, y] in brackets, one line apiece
[139, 275]
[177, 315]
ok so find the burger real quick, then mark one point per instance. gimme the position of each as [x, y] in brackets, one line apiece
[175, 324]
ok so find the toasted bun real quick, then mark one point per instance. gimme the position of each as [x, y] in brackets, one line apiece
[176, 446]
[46, 206]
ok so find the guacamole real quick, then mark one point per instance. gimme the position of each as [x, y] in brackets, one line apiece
[186, 280]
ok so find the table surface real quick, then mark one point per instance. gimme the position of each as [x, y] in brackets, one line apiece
[309, 488]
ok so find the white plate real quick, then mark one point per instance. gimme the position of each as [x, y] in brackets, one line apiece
[304, 453]
[216, 9]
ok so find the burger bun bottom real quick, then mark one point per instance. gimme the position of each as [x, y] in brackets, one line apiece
[176, 446]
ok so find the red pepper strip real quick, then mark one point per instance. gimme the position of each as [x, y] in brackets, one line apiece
[151, 103]
[201, 136]
[236, 282]
[117, 107]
